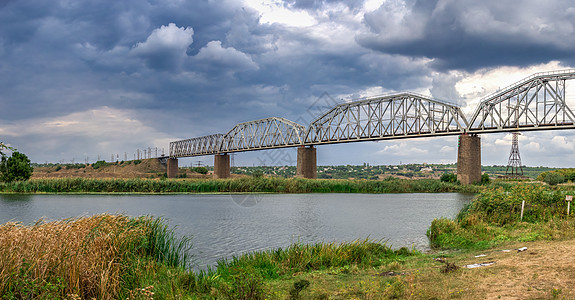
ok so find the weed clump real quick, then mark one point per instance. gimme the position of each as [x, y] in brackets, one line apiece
[494, 217]
[91, 257]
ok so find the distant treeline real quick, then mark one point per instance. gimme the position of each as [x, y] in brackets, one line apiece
[239, 185]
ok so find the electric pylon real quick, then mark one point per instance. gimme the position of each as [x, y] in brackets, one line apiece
[514, 167]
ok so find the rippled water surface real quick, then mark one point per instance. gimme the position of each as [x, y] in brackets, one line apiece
[226, 225]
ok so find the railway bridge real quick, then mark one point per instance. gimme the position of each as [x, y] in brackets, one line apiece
[534, 103]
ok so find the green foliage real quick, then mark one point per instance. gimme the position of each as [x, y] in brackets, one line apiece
[258, 174]
[553, 178]
[485, 178]
[297, 288]
[493, 217]
[163, 245]
[448, 177]
[137, 162]
[99, 164]
[239, 185]
[201, 170]
[15, 168]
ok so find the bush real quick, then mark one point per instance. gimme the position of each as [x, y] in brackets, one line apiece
[99, 164]
[554, 178]
[16, 168]
[448, 177]
[485, 178]
[201, 170]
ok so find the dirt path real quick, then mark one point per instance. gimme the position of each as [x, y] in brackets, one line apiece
[546, 270]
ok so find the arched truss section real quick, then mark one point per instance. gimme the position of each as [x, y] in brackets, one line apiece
[204, 145]
[263, 134]
[534, 103]
[389, 117]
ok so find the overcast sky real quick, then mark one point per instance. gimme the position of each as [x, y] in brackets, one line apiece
[84, 79]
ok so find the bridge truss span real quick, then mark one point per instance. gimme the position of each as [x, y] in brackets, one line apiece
[204, 145]
[388, 117]
[534, 103]
[263, 134]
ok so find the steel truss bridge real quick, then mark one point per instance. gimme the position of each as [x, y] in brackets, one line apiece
[534, 103]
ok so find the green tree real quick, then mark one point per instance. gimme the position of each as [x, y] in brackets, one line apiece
[4, 147]
[448, 177]
[16, 168]
[554, 178]
[201, 170]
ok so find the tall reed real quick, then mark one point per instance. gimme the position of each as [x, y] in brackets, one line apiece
[88, 257]
[238, 185]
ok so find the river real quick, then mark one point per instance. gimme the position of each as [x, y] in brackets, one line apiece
[225, 225]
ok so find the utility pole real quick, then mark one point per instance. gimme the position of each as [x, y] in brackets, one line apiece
[514, 167]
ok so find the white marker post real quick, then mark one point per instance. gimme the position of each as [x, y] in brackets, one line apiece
[522, 209]
[568, 198]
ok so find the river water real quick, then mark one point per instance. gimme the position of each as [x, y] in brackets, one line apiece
[225, 225]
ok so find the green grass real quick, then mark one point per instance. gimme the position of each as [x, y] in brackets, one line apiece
[494, 217]
[240, 185]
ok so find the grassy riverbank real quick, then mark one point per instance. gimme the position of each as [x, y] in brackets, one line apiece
[238, 185]
[117, 257]
[494, 218]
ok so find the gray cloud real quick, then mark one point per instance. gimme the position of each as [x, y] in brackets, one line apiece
[180, 69]
[470, 34]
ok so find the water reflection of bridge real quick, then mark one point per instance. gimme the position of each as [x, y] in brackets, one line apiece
[534, 103]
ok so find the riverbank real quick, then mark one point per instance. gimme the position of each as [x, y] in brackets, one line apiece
[236, 185]
[116, 257]
[111, 257]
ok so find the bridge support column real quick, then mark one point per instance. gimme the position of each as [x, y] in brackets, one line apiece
[306, 162]
[172, 167]
[221, 166]
[469, 159]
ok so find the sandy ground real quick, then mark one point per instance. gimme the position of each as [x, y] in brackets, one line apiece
[546, 270]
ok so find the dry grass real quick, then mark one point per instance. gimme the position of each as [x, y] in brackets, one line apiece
[70, 258]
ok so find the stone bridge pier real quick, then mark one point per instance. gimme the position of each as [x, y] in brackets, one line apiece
[306, 162]
[172, 168]
[221, 166]
[469, 159]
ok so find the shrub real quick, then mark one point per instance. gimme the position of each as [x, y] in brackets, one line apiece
[99, 164]
[485, 178]
[448, 177]
[16, 168]
[554, 178]
[201, 170]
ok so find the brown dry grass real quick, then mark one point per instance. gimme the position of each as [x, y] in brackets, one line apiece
[84, 254]
[146, 169]
[546, 270]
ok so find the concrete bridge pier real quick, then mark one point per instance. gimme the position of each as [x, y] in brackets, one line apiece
[221, 166]
[172, 167]
[469, 159]
[306, 162]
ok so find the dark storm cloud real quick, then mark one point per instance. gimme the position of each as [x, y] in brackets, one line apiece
[95, 74]
[472, 34]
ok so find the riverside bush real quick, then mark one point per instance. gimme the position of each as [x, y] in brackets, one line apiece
[494, 216]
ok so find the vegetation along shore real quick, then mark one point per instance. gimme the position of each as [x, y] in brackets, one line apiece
[235, 185]
[118, 257]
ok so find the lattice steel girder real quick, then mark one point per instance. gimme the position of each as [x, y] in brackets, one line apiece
[536, 102]
[388, 117]
[204, 145]
[263, 134]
